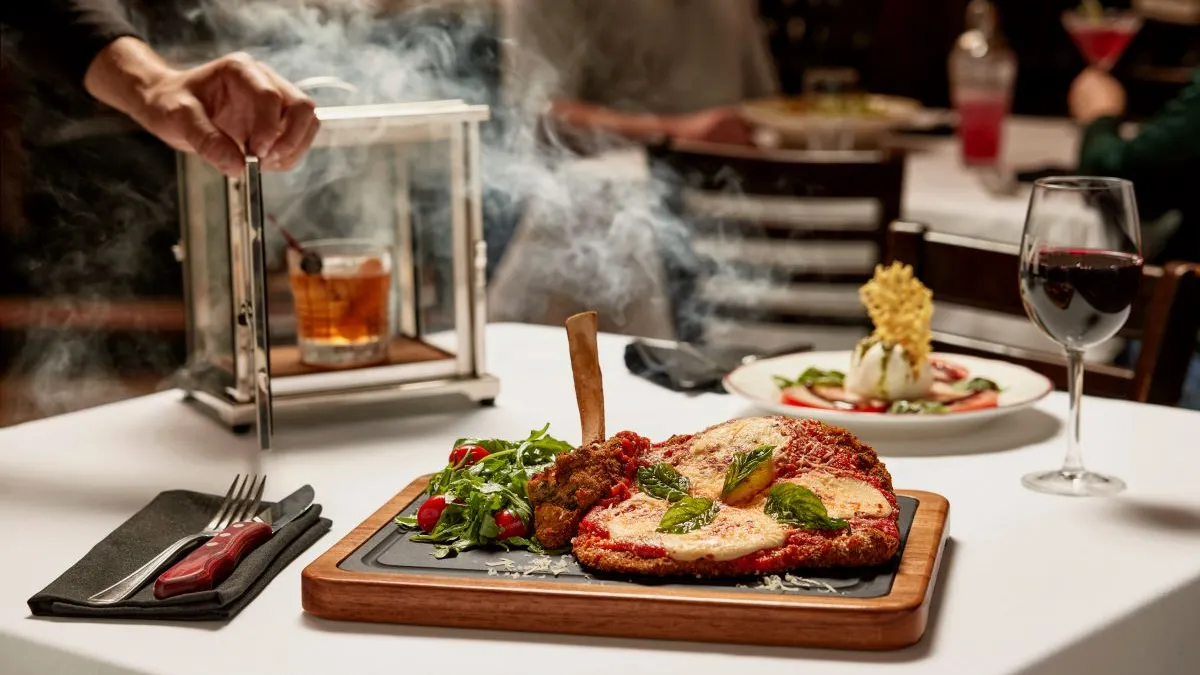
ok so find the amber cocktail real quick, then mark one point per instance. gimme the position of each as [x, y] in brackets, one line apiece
[341, 289]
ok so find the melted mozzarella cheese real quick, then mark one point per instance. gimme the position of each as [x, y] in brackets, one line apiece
[845, 497]
[711, 452]
[733, 533]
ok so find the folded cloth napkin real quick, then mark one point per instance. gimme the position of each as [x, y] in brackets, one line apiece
[674, 370]
[168, 517]
[692, 368]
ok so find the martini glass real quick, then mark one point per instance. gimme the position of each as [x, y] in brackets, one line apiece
[1101, 38]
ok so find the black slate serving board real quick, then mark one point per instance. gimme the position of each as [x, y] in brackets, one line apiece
[390, 551]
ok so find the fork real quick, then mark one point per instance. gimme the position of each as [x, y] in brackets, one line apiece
[240, 503]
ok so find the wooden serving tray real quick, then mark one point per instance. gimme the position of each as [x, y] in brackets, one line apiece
[364, 577]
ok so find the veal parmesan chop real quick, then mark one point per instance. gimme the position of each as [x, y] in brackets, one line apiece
[752, 496]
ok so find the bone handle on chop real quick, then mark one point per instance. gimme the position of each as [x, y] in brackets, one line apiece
[585, 367]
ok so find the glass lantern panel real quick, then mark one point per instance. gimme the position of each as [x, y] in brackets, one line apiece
[397, 195]
[209, 281]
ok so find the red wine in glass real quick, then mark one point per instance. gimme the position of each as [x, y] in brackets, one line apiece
[1080, 297]
[1081, 266]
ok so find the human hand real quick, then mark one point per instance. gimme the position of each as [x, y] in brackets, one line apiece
[223, 110]
[1095, 94]
[717, 125]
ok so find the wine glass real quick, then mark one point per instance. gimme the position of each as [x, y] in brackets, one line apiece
[1081, 265]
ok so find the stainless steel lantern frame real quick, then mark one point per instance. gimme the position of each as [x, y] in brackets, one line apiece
[240, 391]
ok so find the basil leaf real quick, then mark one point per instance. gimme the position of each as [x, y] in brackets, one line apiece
[687, 514]
[797, 505]
[918, 407]
[663, 482]
[976, 384]
[744, 464]
[812, 377]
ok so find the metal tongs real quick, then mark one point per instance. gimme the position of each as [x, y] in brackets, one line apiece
[254, 311]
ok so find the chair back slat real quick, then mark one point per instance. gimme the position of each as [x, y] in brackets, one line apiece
[794, 218]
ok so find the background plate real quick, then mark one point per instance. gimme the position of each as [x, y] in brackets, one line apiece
[1020, 388]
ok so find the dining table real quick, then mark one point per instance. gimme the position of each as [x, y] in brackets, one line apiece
[1028, 583]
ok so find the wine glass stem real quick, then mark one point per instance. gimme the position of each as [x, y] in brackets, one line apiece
[1074, 461]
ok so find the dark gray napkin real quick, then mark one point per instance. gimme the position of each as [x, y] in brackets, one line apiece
[168, 517]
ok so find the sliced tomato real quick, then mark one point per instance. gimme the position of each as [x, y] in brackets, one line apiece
[853, 402]
[943, 392]
[945, 371]
[804, 397]
[979, 401]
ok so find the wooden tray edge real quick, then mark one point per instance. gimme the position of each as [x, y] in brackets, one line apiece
[895, 621]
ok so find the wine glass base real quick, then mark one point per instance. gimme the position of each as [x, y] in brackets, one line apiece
[1073, 483]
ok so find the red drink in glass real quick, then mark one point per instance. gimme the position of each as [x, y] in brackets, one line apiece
[981, 119]
[1102, 39]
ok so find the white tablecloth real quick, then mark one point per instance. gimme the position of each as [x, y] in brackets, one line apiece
[1030, 583]
[939, 192]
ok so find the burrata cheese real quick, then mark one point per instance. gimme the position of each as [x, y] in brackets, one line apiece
[885, 371]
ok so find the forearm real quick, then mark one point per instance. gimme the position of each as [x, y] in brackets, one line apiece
[1164, 146]
[122, 72]
[68, 33]
[636, 126]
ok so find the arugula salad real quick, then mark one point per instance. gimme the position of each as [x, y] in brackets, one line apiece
[479, 499]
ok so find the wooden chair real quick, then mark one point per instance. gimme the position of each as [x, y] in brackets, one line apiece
[806, 227]
[983, 275]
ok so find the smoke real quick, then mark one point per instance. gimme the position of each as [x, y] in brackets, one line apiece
[591, 239]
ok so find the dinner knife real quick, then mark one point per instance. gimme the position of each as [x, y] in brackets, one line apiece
[213, 562]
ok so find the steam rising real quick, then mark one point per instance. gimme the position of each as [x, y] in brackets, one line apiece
[598, 242]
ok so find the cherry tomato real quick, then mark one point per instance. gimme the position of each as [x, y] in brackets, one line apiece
[510, 525]
[978, 401]
[466, 455]
[431, 512]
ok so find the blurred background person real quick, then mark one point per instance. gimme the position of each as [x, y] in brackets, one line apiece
[1162, 159]
[222, 110]
[598, 72]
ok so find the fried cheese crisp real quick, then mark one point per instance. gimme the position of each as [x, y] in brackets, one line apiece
[901, 308]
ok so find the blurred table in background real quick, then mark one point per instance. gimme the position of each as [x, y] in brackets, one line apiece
[940, 192]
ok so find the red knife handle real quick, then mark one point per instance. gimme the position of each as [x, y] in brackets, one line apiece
[213, 562]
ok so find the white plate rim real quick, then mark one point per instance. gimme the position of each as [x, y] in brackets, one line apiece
[883, 418]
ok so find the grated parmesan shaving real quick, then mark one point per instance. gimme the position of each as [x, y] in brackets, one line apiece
[789, 582]
[541, 565]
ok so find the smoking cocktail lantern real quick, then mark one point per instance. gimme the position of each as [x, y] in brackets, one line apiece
[357, 278]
